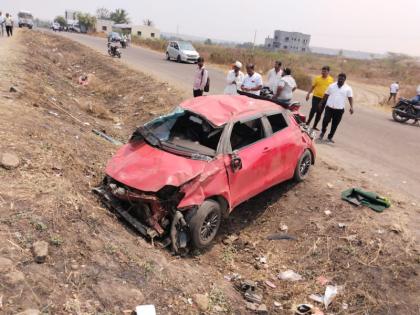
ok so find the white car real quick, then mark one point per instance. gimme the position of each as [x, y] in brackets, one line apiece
[182, 51]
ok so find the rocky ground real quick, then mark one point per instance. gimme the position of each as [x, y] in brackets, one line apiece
[61, 252]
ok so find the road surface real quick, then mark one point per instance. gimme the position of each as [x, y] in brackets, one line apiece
[369, 144]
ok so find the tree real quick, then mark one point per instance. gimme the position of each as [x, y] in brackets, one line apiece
[148, 22]
[120, 16]
[61, 20]
[103, 13]
[208, 42]
[86, 20]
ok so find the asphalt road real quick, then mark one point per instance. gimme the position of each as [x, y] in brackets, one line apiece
[369, 144]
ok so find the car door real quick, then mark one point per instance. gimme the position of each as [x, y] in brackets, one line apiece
[286, 137]
[252, 147]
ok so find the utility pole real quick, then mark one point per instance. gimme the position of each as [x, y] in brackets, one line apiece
[255, 38]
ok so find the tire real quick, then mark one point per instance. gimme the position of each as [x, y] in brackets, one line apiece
[303, 166]
[204, 224]
[397, 117]
[178, 59]
[167, 57]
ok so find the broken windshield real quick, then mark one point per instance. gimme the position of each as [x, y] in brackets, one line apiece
[185, 132]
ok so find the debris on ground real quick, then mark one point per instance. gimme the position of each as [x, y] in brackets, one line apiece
[202, 301]
[289, 275]
[30, 311]
[250, 291]
[230, 239]
[145, 310]
[341, 225]
[331, 292]
[13, 89]
[9, 161]
[328, 212]
[280, 236]
[283, 227]
[270, 284]
[396, 228]
[40, 251]
[322, 280]
[357, 197]
[304, 309]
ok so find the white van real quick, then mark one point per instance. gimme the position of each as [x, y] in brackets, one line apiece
[182, 51]
[25, 19]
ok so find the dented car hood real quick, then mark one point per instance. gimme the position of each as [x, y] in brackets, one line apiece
[149, 169]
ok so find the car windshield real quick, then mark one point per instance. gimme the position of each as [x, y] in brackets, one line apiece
[186, 46]
[25, 15]
[183, 132]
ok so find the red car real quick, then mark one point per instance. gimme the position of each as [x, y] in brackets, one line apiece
[180, 174]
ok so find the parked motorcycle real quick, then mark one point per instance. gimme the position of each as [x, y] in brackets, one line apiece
[114, 51]
[405, 110]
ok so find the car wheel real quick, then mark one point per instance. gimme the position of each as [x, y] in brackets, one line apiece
[167, 56]
[205, 223]
[178, 59]
[303, 166]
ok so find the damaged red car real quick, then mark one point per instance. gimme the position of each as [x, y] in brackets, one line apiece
[182, 173]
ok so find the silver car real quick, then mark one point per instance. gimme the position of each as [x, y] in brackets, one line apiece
[182, 52]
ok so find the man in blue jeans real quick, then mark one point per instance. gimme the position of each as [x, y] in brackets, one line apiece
[335, 100]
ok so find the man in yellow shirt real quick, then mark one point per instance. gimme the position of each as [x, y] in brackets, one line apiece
[319, 87]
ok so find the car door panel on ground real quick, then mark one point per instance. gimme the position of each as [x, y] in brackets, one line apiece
[255, 150]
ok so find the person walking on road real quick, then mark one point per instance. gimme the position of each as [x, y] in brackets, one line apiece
[234, 79]
[285, 87]
[319, 86]
[253, 82]
[1, 24]
[393, 91]
[335, 100]
[274, 76]
[200, 79]
[9, 25]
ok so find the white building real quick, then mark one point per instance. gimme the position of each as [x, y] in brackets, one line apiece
[290, 41]
[142, 31]
[104, 26]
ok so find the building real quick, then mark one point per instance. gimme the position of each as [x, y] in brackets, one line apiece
[104, 26]
[290, 41]
[70, 16]
[142, 31]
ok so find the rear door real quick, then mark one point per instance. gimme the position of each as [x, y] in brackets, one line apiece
[249, 139]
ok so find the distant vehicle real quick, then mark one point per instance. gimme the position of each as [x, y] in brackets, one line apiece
[56, 27]
[181, 51]
[114, 50]
[114, 37]
[25, 19]
[75, 28]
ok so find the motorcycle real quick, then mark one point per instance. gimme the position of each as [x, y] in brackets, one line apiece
[114, 51]
[405, 110]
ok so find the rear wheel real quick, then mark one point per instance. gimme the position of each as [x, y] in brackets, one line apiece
[397, 117]
[167, 56]
[303, 166]
[205, 223]
[178, 59]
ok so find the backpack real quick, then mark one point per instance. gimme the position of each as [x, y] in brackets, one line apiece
[207, 86]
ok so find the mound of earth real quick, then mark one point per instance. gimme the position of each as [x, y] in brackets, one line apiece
[96, 264]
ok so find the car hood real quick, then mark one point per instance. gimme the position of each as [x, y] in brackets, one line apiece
[149, 169]
[190, 52]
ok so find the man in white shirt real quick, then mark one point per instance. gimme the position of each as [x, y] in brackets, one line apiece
[285, 87]
[1, 24]
[274, 76]
[252, 82]
[335, 99]
[200, 78]
[393, 91]
[234, 79]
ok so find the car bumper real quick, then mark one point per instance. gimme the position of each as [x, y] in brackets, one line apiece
[189, 59]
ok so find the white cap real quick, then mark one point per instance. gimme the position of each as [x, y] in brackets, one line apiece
[238, 64]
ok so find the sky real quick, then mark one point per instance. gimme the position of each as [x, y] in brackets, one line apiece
[376, 26]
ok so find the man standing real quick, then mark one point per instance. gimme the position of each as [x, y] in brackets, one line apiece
[319, 86]
[9, 25]
[234, 79]
[285, 87]
[200, 78]
[253, 82]
[393, 91]
[274, 76]
[335, 99]
[1, 24]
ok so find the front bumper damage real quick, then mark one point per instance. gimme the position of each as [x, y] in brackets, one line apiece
[155, 218]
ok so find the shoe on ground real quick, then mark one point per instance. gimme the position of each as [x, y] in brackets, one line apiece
[330, 141]
[321, 136]
[315, 128]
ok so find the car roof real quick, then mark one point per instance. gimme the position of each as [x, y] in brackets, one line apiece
[221, 109]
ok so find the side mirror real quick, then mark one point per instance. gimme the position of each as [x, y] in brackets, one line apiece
[236, 162]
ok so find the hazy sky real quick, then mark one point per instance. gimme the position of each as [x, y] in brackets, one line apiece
[368, 25]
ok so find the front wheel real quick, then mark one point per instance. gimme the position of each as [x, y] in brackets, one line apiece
[167, 57]
[397, 117]
[205, 223]
[303, 166]
[178, 59]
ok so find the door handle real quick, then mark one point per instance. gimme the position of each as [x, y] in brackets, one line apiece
[266, 150]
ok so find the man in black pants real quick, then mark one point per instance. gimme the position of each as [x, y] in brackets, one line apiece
[335, 100]
[200, 78]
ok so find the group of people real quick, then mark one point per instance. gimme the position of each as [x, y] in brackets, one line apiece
[394, 89]
[6, 23]
[328, 97]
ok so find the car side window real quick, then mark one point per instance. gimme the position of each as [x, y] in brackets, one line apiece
[277, 122]
[246, 133]
[176, 46]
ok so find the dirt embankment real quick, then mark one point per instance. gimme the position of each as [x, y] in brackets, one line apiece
[98, 265]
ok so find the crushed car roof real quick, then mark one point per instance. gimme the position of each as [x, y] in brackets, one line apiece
[221, 109]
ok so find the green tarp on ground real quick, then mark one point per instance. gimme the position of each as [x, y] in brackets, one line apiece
[357, 196]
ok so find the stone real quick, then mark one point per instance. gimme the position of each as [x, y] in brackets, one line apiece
[251, 306]
[30, 311]
[9, 161]
[40, 251]
[262, 310]
[15, 277]
[202, 301]
[5, 265]
[13, 89]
